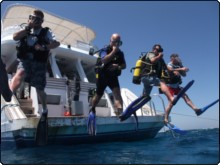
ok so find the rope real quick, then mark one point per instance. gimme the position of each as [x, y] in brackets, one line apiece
[205, 118]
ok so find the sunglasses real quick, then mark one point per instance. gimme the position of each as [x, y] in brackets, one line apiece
[33, 17]
[160, 50]
[114, 41]
[117, 41]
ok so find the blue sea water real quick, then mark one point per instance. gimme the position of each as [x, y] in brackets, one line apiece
[196, 147]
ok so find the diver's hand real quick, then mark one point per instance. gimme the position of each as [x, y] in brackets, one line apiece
[114, 67]
[160, 55]
[38, 47]
[31, 24]
[115, 49]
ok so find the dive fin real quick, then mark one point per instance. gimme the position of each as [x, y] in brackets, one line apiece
[91, 124]
[42, 130]
[134, 106]
[175, 128]
[202, 110]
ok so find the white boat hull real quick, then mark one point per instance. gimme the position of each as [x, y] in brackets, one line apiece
[73, 130]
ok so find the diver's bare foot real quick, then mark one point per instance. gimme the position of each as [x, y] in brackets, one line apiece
[118, 111]
[166, 121]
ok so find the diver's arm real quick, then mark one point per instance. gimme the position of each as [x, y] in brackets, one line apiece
[24, 32]
[156, 58]
[111, 55]
[20, 34]
[182, 70]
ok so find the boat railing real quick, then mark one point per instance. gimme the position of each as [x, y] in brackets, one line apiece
[152, 105]
[61, 83]
[11, 110]
[109, 103]
[85, 46]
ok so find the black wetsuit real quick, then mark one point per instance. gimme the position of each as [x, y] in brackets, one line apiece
[109, 76]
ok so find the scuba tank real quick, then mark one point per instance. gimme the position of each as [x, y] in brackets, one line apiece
[137, 71]
[138, 68]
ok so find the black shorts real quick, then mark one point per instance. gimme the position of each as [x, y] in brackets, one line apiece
[103, 81]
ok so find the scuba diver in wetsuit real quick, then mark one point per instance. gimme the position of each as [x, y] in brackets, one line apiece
[176, 70]
[109, 68]
[109, 65]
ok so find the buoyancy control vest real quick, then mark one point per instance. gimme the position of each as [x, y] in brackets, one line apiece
[171, 78]
[106, 69]
[23, 48]
[144, 67]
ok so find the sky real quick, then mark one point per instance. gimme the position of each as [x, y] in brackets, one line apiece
[189, 28]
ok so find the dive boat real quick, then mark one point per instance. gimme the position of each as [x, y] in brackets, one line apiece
[70, 82]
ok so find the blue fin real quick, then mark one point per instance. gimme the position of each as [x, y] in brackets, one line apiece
[202, 110]
[175, 129]
[180, 94]
[136, 120]
[91, 124]
[134, 106]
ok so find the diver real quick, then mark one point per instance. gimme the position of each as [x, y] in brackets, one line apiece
[33, 52]
[109, 65]
[176, 71]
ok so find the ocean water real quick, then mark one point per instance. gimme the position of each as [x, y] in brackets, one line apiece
[196, 147]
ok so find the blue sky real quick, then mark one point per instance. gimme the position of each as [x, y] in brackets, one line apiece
[190, 29]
